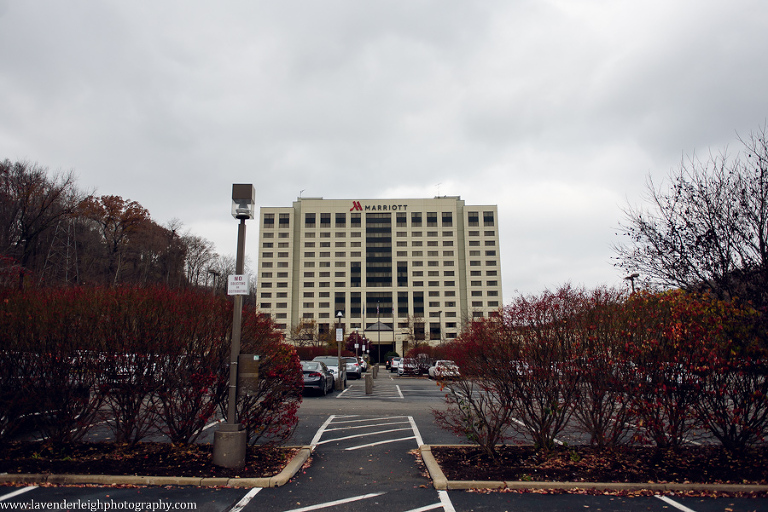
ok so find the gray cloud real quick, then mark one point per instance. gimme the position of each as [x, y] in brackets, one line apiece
[556, 110]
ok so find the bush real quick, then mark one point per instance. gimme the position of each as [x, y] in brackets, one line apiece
[155, 358]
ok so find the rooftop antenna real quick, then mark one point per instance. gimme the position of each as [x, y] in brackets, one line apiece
[300, 191]
[438, 189]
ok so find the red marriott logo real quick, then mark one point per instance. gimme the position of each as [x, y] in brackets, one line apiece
[356, 206]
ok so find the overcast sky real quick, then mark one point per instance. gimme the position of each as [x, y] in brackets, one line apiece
[556, 111]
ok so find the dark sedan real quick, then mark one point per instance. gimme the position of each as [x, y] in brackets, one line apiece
[317, 376]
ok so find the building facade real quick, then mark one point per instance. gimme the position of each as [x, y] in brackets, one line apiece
[399, 270]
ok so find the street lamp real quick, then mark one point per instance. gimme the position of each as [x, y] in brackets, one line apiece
[631, 278]
[339, 339]
[230, 439]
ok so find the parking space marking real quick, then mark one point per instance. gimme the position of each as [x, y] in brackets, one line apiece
[240, 505]
[426, 507]
[365, 426]
[445, 500]
[320, 431]
[379, 443]
[363, 435]
[675, 504]
[17, 492]
[334, 503]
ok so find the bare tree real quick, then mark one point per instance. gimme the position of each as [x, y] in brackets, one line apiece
[31, 205]
[706, 230]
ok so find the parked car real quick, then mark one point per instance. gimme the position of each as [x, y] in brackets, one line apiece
[332, 362]
[408, 366]
[394, 364]
[443, 369]
[354, 370]
[317, 376]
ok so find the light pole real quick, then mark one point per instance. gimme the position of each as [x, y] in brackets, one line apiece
[230, 439]
[215, 274]
[631, 278]
[339, 339]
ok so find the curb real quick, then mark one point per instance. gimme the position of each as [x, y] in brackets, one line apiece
[441, 483]
[278, 480]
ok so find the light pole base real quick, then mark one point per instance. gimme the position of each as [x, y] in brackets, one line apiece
[229, 443]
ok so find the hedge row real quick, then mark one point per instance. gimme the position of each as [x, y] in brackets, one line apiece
[656, 369]
[141, 361]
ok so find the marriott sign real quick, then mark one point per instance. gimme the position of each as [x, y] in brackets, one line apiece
[358, 207]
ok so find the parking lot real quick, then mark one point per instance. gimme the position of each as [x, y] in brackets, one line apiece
[364, 458]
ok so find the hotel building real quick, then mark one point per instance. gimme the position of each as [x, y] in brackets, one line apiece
[399, 270]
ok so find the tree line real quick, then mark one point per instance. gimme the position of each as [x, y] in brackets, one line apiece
[54, 234]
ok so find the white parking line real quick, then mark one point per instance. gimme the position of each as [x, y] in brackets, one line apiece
[674, 504]
[426, 507]
[319, 433]
[240, 505]
[17, 492]
[366, 419]
[380, 442]
[334, 503]
[362, 435]
[446, 501]
[365, 426]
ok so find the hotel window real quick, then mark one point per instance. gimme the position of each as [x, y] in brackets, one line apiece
[489, 233]
[402, 220]
[309, 220]
[282, 254]
[269, 220]
[473, 219]
[309, 254]
[266, 264]
[267, 254]
[325, 220]
[431, 219]
[490, 243]
[341, 220]
[267, 245]
[309, 244]
[447, 219]
[269, 235]
[354, 220]
[309, 274]
[490, 253]
[309, 264]
[282, 264]
[284, 220]
[266, 275]
[488, 219]
[416, 220]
